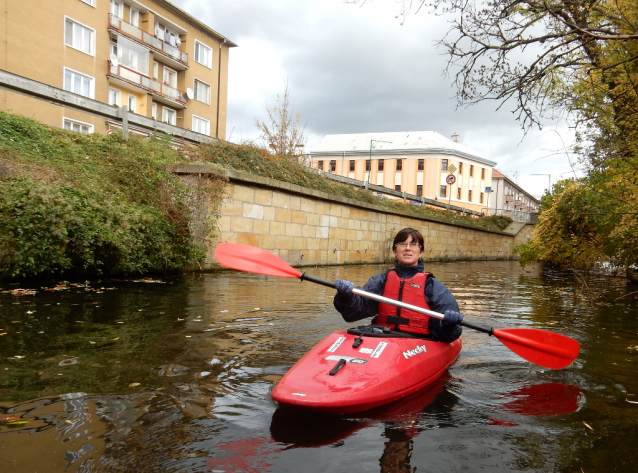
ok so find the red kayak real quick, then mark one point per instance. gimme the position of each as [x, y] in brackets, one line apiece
[354, 371]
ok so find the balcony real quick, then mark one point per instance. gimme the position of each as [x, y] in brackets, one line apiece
[162, 92]
[509, 198]
[133, 32]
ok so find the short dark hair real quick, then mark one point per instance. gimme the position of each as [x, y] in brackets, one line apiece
[403, 235]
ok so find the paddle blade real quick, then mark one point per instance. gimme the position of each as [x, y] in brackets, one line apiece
[548, 349]
[253, 260]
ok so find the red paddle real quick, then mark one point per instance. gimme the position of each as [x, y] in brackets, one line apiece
[547, 349]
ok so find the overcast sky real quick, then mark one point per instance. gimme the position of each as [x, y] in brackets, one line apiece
[356, 69]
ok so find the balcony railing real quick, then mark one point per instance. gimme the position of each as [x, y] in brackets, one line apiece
[148, 39]
[145, 82]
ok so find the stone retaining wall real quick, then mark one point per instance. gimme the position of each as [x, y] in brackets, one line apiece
[306, 227]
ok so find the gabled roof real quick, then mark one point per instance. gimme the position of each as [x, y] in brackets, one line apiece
[405, 142]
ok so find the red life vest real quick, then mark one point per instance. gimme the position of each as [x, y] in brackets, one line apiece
[411, 291]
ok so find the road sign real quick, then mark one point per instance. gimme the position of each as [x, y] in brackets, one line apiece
[451, 168]
[110, 131]
[488, 189]
[450, 179]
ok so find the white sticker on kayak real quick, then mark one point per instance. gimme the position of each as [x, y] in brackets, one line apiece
[336, 344]
[419, 349]
[377, 351]
[298, 394]
[367, 351]
[349, 359]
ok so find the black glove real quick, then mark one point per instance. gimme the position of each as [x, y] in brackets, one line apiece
[451, 317]
[344, 288]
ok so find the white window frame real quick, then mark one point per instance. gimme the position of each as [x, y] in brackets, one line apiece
[154, 110]
[74, 72]
[118, 96]
[120, 8]
[167, 71]
[73, 121]
[76, 44]
[156, 70]
[165, 113]
[196, 129]
[196, 97]
[209, 63]
[132, 103]
[134, 17]
[89, 2]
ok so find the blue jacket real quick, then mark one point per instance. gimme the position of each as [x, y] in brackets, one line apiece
[438, 297]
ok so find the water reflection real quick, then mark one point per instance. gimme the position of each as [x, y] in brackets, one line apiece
[178, 378]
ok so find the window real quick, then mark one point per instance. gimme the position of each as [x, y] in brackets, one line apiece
[132, 103]
[333, 165]
[320, 165]
[134, 17]
[79, 83]
[397, 187]
[169, 116]
[202, 92]
[131, 54]
[155, 70]
[201, 125]
[170, 77]
[79, 127]
[89, 2]
[482, 197]
[165, 34]
[469, 195]
[117, 8]
[154, 111]
[419, 190]
[460, 168]
[458, 193]
[443, 191]
[420, 165]
[203, 54]
[79, 36]
[399, 164]
[444, 165]
[471, 170]
[483, 173]
[380, 165]
[352, 165]
[114, 97]
[368, 165]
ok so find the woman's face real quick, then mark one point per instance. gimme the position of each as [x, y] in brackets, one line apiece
[408, 252]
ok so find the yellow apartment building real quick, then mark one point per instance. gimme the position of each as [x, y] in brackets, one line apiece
[415, 162]
[147, 55]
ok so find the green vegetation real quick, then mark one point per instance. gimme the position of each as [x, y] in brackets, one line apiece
[93, 203]
[102, 205]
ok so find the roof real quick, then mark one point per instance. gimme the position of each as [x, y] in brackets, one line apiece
[405, 142]
[496, 174]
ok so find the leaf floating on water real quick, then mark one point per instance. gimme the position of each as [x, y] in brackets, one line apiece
[133, 385]
[257, 308]
[631, 402]
[68, 362]
[6, 420]
[588, 426]
[18, 357]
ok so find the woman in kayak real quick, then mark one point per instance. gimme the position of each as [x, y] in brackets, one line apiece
[408, 283]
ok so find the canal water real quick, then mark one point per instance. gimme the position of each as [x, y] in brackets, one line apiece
[175, 375]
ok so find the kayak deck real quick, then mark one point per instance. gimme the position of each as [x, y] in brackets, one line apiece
[347, 373]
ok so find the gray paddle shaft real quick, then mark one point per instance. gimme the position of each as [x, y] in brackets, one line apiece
[403, 305]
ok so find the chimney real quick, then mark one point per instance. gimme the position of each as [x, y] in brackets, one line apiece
[455, 137]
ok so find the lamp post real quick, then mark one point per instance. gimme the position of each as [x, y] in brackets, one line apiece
[370, 156]
[549, 188]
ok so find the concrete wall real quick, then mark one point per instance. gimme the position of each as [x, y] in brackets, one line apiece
[306, 227]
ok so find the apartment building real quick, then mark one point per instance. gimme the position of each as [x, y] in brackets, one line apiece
[416, 162]
[148, 55]
[508, 198]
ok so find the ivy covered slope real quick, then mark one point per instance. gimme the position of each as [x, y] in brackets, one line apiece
[89, 203]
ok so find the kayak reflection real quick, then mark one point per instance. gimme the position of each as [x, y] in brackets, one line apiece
[304, 428]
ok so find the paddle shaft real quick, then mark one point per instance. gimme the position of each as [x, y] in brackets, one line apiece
[403, 305]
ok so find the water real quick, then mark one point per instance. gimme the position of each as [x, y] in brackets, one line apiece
[176, 376]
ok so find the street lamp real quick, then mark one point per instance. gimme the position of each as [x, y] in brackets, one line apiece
[549, 188]
[370, 157]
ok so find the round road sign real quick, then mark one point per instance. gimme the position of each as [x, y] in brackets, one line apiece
[450, 179]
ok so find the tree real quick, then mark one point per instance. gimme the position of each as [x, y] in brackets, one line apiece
[282, 132]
